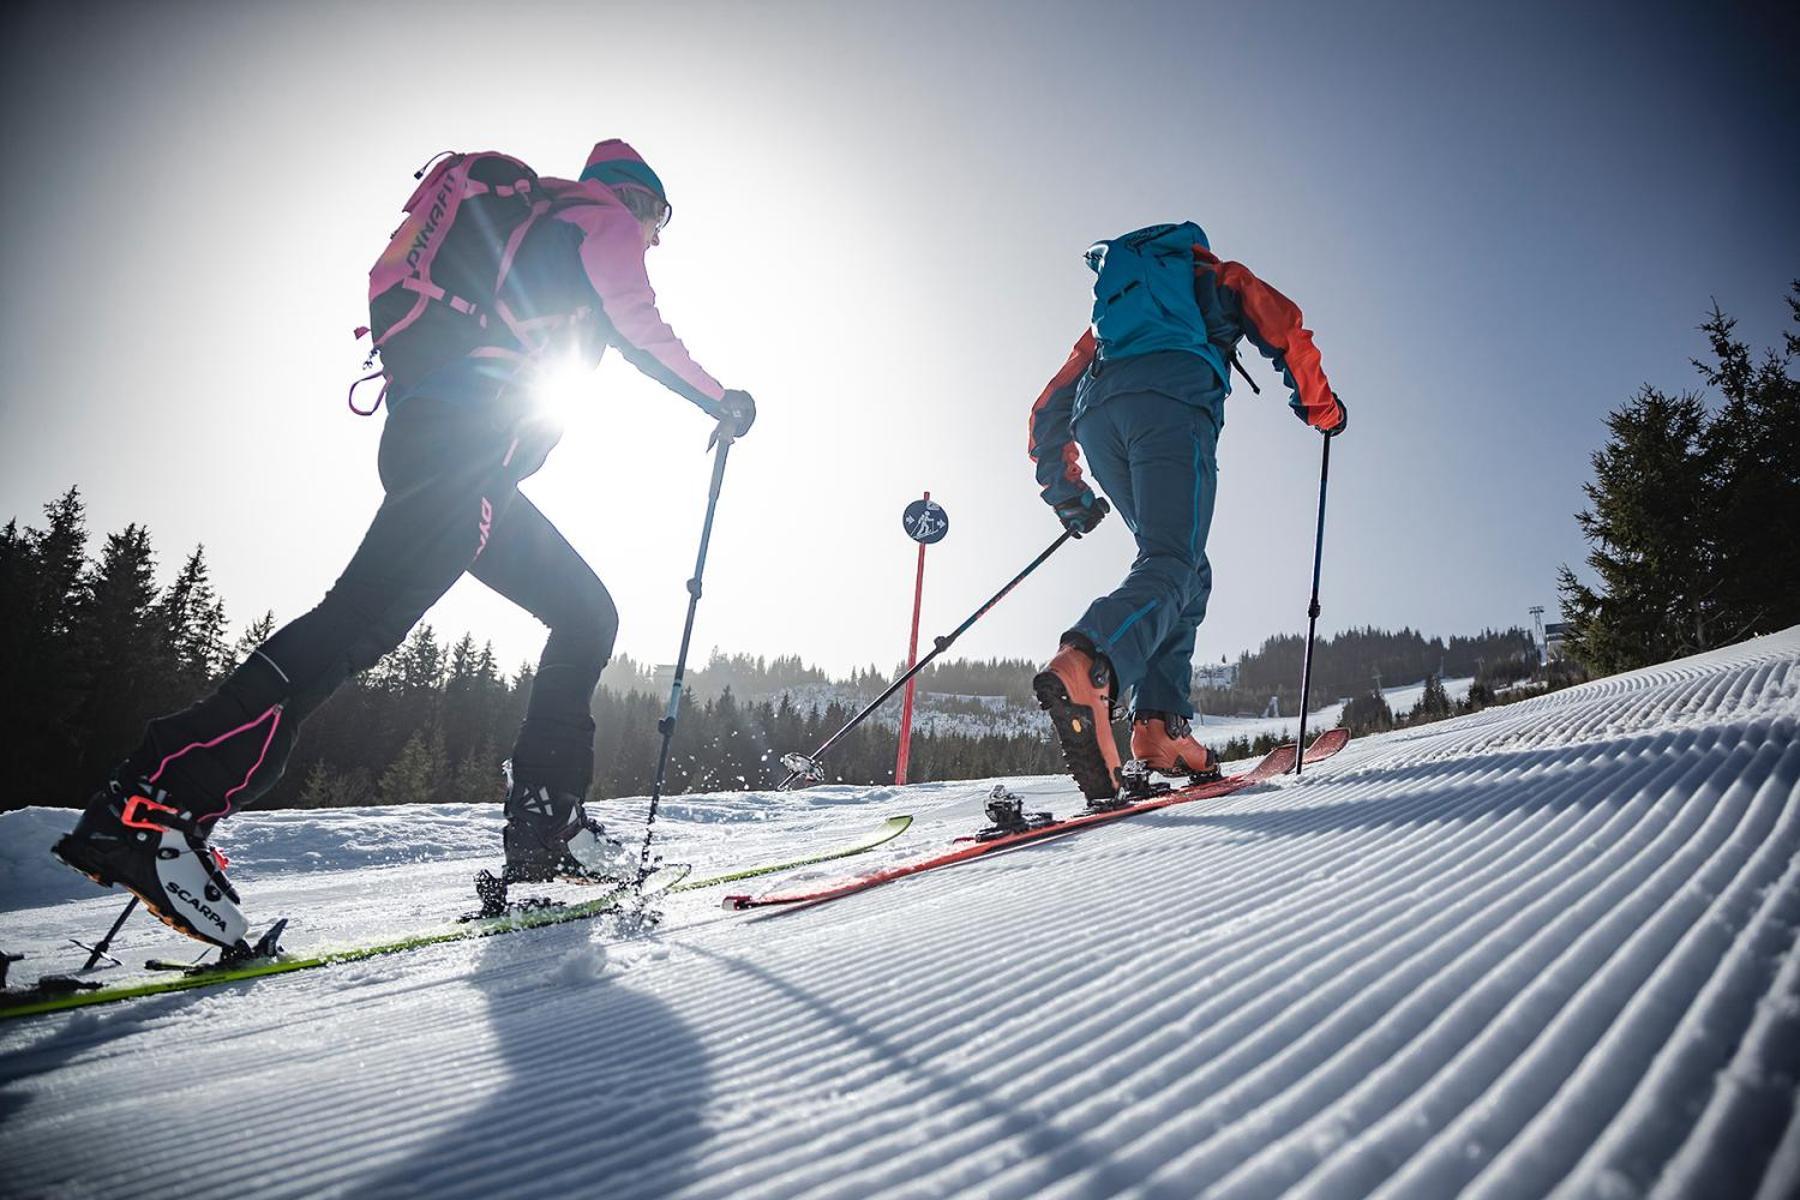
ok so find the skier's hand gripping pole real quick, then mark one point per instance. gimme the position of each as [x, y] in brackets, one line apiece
[736, 413]
[806, 768]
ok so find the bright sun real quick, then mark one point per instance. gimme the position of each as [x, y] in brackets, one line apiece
[560, 385]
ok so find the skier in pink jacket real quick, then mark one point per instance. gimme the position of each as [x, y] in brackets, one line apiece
[497, 275]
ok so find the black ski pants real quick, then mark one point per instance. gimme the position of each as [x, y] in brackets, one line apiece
[451, 474]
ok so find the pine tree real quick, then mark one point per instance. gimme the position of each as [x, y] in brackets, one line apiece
[417, 667]
[419, 775]
[254, 635]
[1690, 515]
[476, 778]
[1434, 703]
[118, 631]
[1650, 549]
[319, 790]
[1367, 713]
[1753, 459]
[192, 620]
[48, 677]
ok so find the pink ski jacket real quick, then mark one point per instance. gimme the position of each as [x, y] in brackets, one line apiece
[612, 257]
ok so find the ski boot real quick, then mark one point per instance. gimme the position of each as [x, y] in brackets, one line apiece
[1076, 690]
[1164, 743]
[1006, 815]
[549, 836]
[143, 841]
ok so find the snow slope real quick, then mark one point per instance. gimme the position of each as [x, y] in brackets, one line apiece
[1547, 949]
[1216, 731]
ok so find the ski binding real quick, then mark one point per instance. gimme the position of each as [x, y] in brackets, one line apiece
[490, 889]
[46, 985]
[267, 946]
[1007, 816]
[1135, 783]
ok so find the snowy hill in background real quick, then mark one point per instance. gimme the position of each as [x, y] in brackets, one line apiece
[1545, 949]
[937, 714]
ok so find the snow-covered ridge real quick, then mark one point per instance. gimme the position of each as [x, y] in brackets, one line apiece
[940, 715]
[1545, 949]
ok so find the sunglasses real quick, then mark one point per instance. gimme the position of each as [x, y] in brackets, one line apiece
[666, 210]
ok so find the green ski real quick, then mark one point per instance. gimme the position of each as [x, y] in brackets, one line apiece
[890, 829]
[31, 1003]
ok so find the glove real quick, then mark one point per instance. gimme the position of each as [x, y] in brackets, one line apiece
[739, 410]
[1081, 514]
[1343, 417]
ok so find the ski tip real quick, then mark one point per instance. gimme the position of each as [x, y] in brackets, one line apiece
[735, 903]
[1330, 740]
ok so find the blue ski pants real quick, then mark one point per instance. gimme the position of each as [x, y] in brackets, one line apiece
[1156, 458]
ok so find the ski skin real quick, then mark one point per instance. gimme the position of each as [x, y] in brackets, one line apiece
[892, 828]
[1278, 761]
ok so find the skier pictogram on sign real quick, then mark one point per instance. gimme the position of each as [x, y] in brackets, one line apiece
[925, 522]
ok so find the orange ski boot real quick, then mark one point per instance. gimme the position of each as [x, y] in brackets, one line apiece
[1165, 743]
[1076, 690]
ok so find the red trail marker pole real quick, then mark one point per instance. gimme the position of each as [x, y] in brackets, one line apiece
[912, 657]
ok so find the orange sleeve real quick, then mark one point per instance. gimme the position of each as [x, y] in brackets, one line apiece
[1050, 440]
[1274, 324]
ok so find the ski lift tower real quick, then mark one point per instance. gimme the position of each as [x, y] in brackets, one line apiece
[1537, 630]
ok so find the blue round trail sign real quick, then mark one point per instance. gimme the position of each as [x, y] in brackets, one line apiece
[926, 521]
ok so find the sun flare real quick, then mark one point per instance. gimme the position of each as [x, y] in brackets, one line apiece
[560, 386]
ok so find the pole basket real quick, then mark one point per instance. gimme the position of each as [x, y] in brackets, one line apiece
[804, 768]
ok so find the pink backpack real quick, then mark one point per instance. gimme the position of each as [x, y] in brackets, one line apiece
[433, 293]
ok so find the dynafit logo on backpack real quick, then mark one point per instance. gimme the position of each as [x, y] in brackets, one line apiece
[434, 217]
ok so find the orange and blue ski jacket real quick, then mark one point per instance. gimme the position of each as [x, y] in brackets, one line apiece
[1236, 304]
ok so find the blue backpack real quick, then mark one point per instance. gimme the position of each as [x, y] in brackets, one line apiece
[1144, 295]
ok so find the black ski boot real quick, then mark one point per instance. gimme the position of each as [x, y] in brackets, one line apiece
[141, 839]
[550, 836]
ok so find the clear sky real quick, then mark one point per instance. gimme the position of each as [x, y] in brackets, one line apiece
[1499, 220]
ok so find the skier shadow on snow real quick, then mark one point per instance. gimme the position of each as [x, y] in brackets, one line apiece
[600, 1084]
[1059, 1151]
[82, 1034]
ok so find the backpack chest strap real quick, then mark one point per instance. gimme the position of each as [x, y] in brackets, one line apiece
[432, 291]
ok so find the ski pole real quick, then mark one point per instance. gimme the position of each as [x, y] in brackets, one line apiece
[804, 766]
[100, 948]
[666, 726]
[1312, 610]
